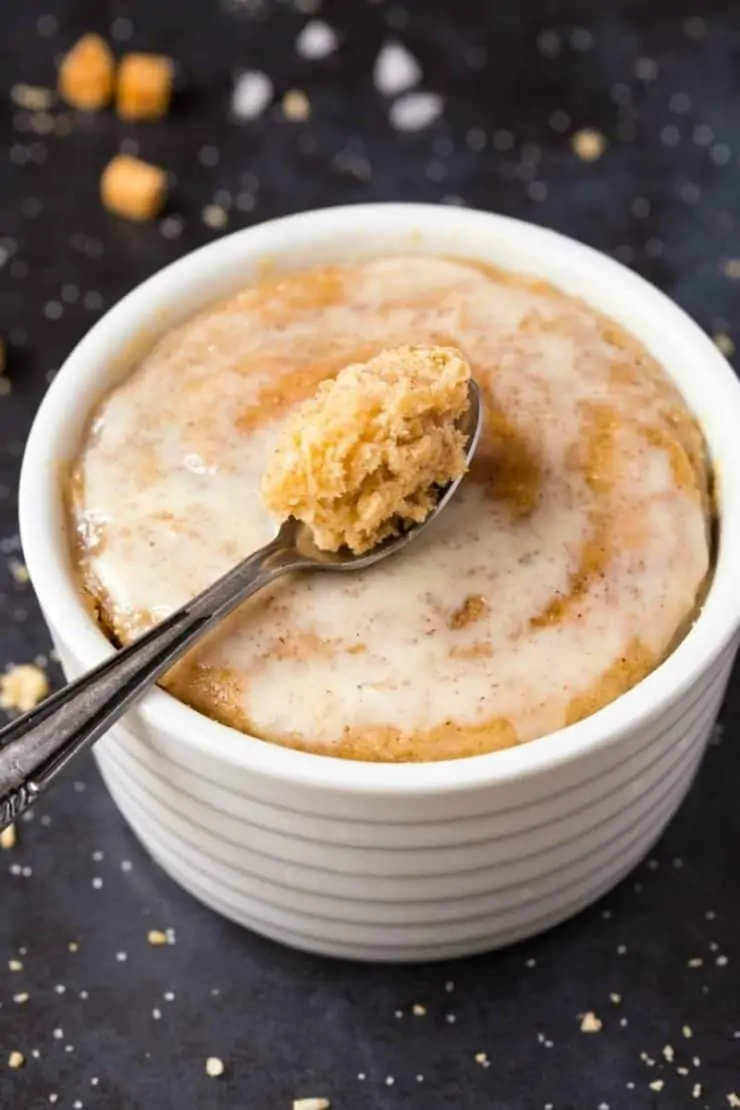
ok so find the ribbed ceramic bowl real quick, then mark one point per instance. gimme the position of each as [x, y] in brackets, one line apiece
[404, 862]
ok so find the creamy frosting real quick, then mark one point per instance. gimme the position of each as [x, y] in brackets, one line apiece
[563, 571]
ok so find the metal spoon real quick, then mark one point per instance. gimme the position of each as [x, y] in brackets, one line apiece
[35, 747]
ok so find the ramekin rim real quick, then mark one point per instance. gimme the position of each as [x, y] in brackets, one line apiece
[47, 558]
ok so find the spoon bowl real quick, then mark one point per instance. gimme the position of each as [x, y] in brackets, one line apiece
[298, 535]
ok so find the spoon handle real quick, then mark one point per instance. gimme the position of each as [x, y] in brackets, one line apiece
[36, 746]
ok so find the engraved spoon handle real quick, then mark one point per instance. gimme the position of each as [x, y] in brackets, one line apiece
[36, 746]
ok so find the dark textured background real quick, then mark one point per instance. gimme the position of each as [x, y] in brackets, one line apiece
[662, 82]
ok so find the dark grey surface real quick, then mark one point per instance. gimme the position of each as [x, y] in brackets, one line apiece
[661, 82]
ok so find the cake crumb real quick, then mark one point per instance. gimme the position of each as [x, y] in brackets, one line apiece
[473, 608]
[144, 86]
[615, 998]
[214, 1067]
[725, 343]
[311, 1104]
[8, 837]
[482, 1059]
[687, 1032]
[588, 144]
[215, 216]
[87, 74]
[15, 965]
[360, 460]
[34, 98]
[418, 1010]
[19, 571]
[590, 1023]
[296, 105]
[656, 1085]
[156, 937]
[133, 189]
[16, 1059]
[733, 1100]
[23, 687]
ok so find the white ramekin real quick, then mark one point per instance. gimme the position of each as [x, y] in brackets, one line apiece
[397, 862]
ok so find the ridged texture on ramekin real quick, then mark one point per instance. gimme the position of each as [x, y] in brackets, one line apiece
[409, 877]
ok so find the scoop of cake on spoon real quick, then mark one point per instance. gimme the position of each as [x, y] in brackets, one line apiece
[359, 471]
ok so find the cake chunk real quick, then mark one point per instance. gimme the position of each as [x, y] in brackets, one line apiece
[363, 458]
[87, 74]
[144, 86]
[133, 189]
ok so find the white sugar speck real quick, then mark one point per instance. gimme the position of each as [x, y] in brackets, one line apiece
[252, 92]
[581, 39]
[208, 155]
[559, 121]
[476, 138]
[548, 43]
[317, 40]
[121, 29]
[171, 227]
[680, 103]
[646, 69]
[47, 25]
[721, 154]
[93, 302]
[396, 70]
[415, 111]
[703, 134]
[97, 882]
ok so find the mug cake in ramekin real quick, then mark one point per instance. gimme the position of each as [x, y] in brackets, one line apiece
[466, 744]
